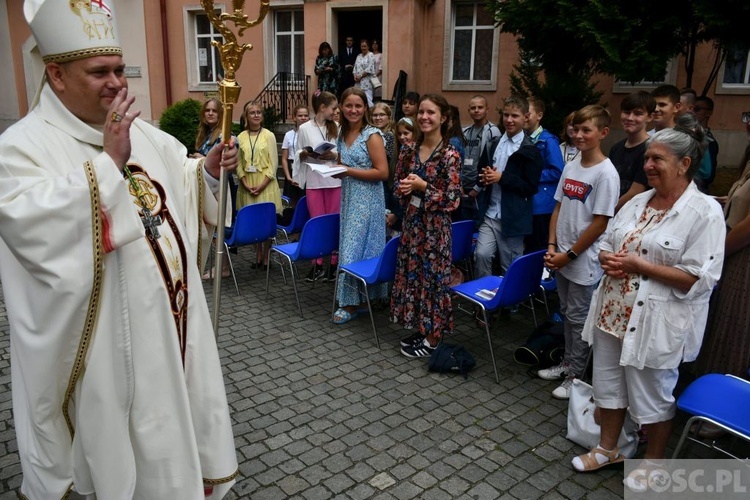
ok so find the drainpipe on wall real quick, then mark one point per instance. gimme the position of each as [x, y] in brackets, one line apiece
[165, 50]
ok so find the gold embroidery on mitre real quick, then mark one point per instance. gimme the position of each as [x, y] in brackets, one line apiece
[96, 17]
[75, 55]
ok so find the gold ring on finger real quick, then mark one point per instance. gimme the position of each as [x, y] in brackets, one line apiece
[116, 117]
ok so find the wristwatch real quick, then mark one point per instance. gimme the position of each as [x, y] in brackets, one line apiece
[572, 255]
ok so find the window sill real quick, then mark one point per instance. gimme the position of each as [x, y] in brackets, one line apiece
[484, 86]
[738, 89]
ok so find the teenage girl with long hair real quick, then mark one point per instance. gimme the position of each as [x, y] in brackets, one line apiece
[323, 193]
[428, 186]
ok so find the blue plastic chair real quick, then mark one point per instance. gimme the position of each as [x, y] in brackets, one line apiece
[299, 218]
[722, 400]
[518, 285]
[380, 269]
[254, 224]
[319, 238]
[462, 233]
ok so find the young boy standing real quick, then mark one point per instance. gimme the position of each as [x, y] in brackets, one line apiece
[636, 112]
[586, 198]
[511, 179]
[409, 105]
[544, 199]
[668, 106]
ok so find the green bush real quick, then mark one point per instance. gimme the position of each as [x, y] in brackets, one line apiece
[181, 121]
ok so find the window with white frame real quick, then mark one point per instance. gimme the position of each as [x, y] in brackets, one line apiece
[204, 63]
[737, 68]
[473, 34]
[670, 76]
[289, 41]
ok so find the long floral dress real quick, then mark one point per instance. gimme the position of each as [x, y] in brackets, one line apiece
[362, 229]
[328, 80]
[726, 346]
[421, 291]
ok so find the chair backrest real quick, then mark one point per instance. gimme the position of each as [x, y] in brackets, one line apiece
[461, 239]
[255, 223]
[387, 265]
[300, 217]
[320, 237]
[521, 280]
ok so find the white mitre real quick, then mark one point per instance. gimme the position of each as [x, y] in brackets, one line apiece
[67, 30]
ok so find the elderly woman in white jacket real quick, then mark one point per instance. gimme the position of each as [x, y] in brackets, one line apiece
[662, 255]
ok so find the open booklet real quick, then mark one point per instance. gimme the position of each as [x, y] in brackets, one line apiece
[326, 170]
[320, 149]
[486, 294]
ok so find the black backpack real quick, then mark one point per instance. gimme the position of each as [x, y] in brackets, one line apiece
[451, 358]
[545, 347]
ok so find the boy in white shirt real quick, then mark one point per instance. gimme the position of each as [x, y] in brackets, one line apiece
[586, 199]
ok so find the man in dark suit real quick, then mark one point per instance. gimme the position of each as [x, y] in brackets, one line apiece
[347, 58]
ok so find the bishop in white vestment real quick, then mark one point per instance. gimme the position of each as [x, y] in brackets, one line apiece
[117, 382]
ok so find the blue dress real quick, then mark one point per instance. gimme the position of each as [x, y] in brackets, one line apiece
[362, 231]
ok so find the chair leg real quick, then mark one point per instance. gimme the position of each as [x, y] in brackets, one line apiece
[489, 341]
[544, 299]
[281, 265]
[683, 436]
[294, 285]
[533, 310]
[335, 292]
[231, 269]
[372, 316]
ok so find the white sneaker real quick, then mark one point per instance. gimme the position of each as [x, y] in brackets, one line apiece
[563, 391]
[554, 373]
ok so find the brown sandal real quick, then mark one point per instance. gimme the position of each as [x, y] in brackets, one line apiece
[590, 463]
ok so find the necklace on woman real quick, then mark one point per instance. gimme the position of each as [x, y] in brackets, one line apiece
[253, 144]
[321, 128]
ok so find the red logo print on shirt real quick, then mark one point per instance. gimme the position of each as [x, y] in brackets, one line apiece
[577, 190]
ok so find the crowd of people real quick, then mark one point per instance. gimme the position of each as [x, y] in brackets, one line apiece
[637, 247]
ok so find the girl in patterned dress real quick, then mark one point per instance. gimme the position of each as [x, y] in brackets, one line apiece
[428, 186]
[362, 232]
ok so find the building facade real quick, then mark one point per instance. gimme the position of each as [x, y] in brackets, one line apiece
[446, 46]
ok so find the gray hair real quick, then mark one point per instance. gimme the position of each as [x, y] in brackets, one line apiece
[687, 138]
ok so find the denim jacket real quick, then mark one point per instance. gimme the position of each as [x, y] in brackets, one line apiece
[666, 326]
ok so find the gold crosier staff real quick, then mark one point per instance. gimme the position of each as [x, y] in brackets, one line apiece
[230, 52]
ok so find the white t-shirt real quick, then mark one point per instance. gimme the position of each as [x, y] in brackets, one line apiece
[584, 192]
[309, 134]
[289, 139]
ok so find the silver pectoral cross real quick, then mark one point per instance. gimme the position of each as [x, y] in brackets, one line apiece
[151, 223]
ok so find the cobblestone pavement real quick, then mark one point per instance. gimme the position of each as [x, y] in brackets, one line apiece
[320, 412]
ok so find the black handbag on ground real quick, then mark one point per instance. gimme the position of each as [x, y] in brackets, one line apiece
[451, 358]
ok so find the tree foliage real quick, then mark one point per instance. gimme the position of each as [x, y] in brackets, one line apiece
[562, 93]
[630, 40]
[181, 121]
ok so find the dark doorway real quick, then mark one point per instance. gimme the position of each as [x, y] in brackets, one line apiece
[359, 24]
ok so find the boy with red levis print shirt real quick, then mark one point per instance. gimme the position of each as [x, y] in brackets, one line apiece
[586, 197]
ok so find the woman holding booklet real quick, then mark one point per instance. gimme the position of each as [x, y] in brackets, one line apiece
[323, 192]
[362, 235]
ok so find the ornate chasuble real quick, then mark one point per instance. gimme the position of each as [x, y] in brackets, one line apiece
[168, 249]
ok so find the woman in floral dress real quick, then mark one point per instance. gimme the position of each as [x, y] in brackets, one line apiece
[362, 232]
[328, 69]
[428, 186]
